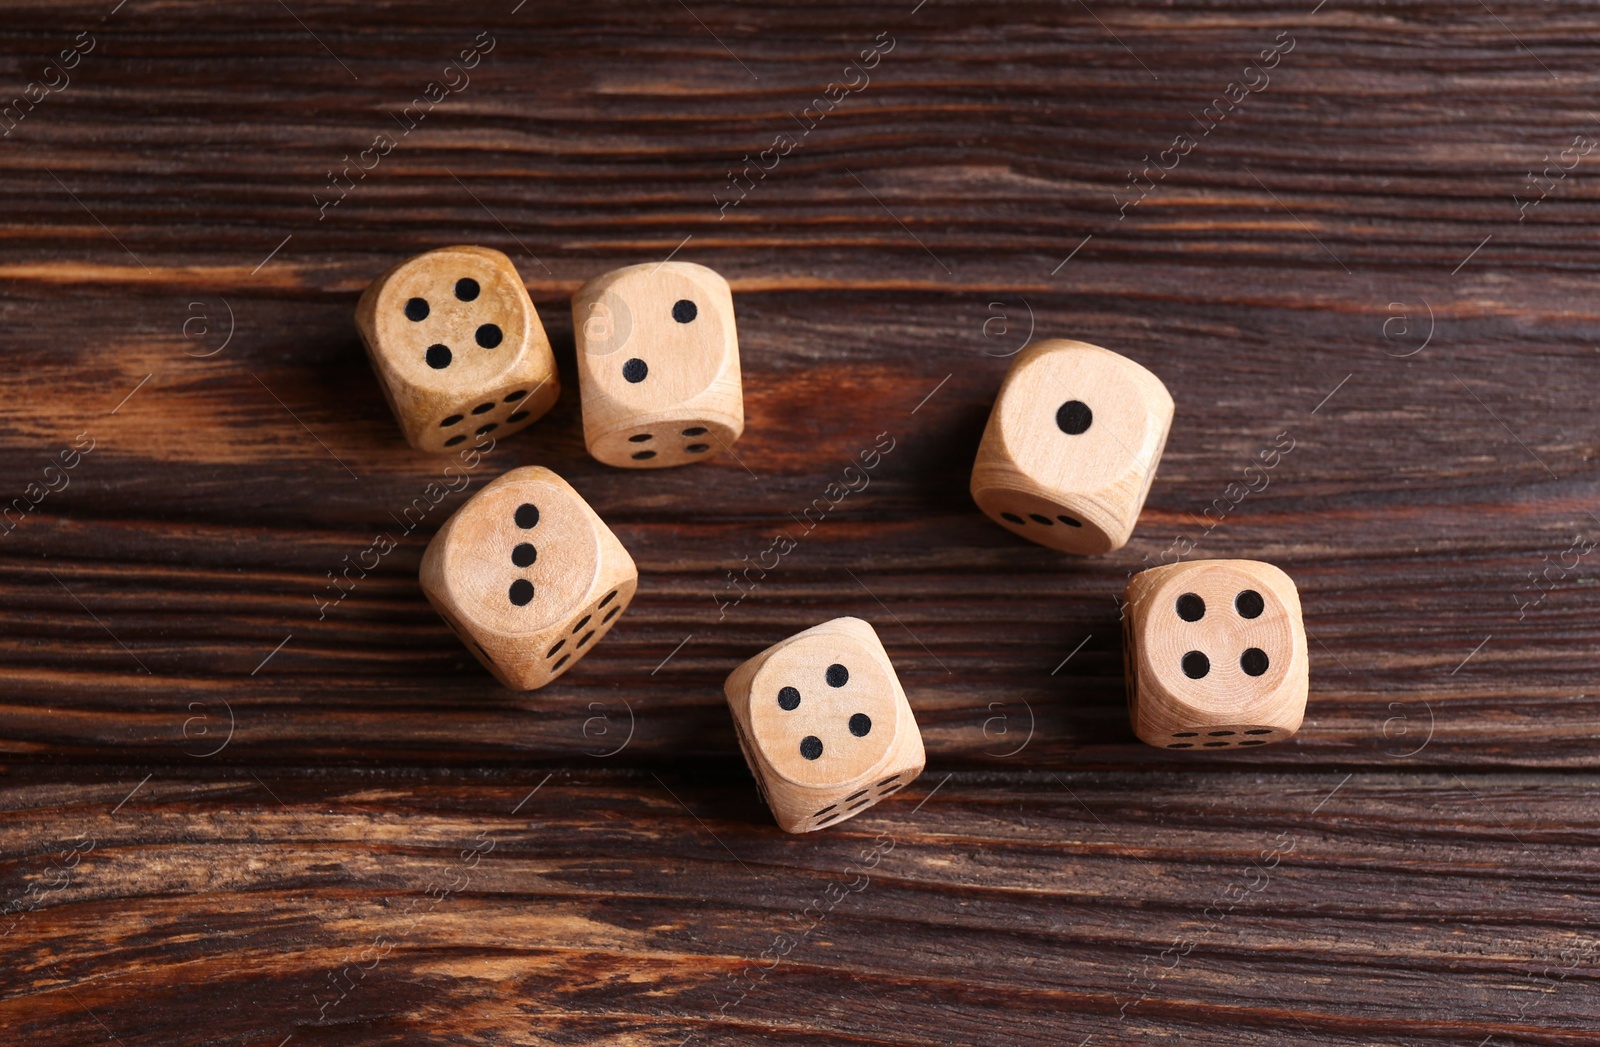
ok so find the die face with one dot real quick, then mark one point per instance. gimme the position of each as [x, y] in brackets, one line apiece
[658, 365]
[1215, 653]
[528, 576]
[824, 725]
[458, 347]
[1071, 447]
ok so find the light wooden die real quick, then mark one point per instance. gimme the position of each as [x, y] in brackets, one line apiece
[1071, 446]
[658, 365]
[458, 347]
[1215, 655]
[824, 725]
[528, 576]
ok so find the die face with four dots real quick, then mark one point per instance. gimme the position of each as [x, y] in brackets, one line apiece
[528, 576]
[824, 725]
[1215, 654]
[658, 365]
[1071, 447]
[458, 347]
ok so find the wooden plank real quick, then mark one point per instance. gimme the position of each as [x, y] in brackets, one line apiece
[634, 908]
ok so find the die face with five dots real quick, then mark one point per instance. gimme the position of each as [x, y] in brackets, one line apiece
[1071, 447]
[458, 347]
[658, 365]
[528, 576]
[824, 725]
[1215, 654]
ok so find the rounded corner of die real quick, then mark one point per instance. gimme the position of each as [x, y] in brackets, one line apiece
[590, 291]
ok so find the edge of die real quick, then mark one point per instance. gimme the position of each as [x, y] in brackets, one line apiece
[535, 339]
[1293, 693]
[436, 586]
[730, 376]
[736, 690]
[989, 478]
[693, 270]
[993, 469]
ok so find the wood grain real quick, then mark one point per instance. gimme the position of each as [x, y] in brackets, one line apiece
[1379, 247]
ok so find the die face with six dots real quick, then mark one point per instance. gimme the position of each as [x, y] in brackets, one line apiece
[528, 576]
[658, 365]
[458, 347]
[1071, 447]
[1215, 655]
[824, 725]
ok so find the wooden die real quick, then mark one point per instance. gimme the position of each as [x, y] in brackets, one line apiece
[528, 576]
[457, 346]
[658, 365]
[824, 724]
[1071, 446]
[1215, 655]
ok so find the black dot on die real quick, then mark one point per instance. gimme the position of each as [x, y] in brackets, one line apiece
[517, 416]
[860, 725]
[635, 370]
[417, 310]
[1069, 521]
[1253, 661]
[639, 438]
[641, 456]
[695, 430]
[1014, 518]
[1074, 417]
[698, 448]
[789, 699]
[489, 335]
[483, 408]
[1196, 665]
[811, 747]
[438, 357]
[448, 422]
[521, 592]
[491, 427]
[684, 311]
[455, 440]
[467, 289]
[524, 555]
[1191, 608]
[527, 516]
[1249, 604]
[837, 675]
[1041, 519]
[512, 398]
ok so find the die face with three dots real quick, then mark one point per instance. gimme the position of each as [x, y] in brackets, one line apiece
[1071, 447]
[824, 725]
[1215, 655]
[528, 576]
[458, 347]
[658, 365]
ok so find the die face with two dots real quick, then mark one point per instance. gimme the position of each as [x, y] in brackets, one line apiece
[1071, 447]
[658, 365]
[1215, 654]
[458, 347]
[824, 725]
[528, 576]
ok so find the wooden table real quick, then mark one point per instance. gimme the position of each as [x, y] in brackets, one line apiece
[242, 806]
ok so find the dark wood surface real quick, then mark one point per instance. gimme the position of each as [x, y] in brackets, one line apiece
[231, 817]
